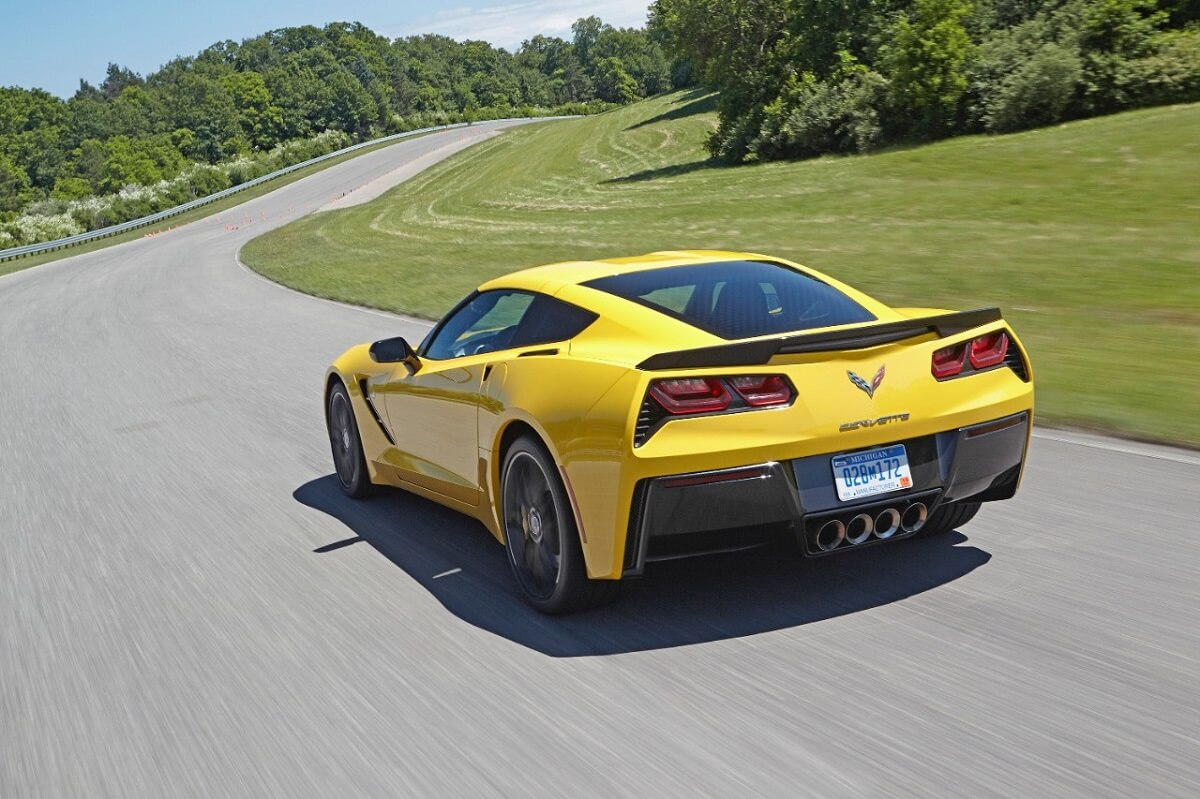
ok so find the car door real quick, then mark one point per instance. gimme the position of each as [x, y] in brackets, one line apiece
[434, 411]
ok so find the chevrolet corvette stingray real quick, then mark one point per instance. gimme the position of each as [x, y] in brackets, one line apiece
[600, 416]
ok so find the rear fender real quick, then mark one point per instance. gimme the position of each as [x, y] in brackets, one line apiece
[579, 410]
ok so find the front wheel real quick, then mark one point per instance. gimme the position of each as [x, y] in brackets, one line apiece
[540, 534]
[348, 460]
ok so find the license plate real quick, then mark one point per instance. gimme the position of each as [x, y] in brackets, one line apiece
[871, 472]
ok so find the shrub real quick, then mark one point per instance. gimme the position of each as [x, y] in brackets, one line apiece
[1172, 73]
[813, 117]
[1037, 92]
[32, 228]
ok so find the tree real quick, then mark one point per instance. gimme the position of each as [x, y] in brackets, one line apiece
[261, 121]
[15, 189]
[586, 30]
[927, 63]
[118, 79]
[613, 83]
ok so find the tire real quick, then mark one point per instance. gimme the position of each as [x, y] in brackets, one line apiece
[349, 464]
[950, 517]
[540, 534]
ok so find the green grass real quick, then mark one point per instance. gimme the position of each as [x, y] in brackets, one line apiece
[1086, 234]
[17, 264]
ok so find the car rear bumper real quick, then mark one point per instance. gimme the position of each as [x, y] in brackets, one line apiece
[728, 509]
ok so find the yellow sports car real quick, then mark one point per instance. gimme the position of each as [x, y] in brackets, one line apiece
[600, 416]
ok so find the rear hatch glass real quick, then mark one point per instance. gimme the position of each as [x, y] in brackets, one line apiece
[737, 299]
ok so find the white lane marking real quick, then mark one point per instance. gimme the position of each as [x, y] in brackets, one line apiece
[446, 574]
[1113, 445]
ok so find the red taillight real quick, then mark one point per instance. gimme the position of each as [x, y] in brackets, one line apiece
[691, 395]
[989, 350]
[949, 361]
[762, 390]
[983, 352]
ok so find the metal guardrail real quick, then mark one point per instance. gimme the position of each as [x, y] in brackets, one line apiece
[112, 230]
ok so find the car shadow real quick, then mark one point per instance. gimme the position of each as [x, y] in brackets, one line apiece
[677, 603]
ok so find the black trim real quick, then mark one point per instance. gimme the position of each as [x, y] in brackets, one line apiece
[1014, 359]
[651, 416]
[531, 353]
[362, 386]
[753, 353]
[632, 563]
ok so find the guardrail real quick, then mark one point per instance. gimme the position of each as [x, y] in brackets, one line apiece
[112, 230]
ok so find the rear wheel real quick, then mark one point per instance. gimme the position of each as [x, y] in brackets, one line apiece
[540, 534]
[950, 517]
[348, 460]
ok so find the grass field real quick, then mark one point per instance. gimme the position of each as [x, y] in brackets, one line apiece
[1086, 234]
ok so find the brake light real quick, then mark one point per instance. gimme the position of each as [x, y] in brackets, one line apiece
[762, 390]
[949, 361]
[691, 395]
[989, 350]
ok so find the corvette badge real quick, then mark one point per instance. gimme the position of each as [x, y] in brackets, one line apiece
[869, 388]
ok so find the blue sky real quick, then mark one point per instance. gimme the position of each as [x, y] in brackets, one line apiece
[51, 45]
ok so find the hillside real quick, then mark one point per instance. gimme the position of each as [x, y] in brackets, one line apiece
[1086, 234]
[135, 145]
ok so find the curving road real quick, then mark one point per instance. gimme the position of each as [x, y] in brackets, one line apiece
[188, 608]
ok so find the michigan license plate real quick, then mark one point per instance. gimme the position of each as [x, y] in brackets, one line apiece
[874, 471]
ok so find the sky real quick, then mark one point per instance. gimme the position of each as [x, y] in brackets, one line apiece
[51, 45]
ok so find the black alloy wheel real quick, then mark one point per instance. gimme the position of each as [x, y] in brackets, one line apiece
[348, 461]
[541, 536]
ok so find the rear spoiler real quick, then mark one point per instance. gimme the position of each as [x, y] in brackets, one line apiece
[753, 353]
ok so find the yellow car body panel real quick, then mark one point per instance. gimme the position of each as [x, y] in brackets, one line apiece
[582, 399]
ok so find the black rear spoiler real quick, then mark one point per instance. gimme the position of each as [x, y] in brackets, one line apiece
[753, 353]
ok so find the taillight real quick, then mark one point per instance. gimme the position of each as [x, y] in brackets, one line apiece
[949, 361]
[762, 390]
[691, 395]
[989, 350]
[982, 352]
[680, 396]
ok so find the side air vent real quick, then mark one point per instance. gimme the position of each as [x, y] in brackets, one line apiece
[1014, 361]
[366, 395]
[649, 416]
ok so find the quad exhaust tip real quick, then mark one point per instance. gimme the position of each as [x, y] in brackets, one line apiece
[914, 518]
[859, 528]
[887, 523]
[830, 536]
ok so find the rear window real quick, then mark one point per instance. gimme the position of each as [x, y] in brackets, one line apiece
[737, 299]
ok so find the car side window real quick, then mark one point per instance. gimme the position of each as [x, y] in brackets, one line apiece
[485, 323]
[550, 320]
[502, 319]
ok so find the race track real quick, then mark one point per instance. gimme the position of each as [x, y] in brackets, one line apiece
[189, 608]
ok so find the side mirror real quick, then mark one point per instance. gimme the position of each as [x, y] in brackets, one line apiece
[395, 350]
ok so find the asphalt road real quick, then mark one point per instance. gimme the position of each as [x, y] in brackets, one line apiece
[189, 608]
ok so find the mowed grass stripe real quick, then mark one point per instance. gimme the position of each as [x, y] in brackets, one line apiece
[1087, 234]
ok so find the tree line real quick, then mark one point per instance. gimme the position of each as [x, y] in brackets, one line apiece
[800, 78]
[274, 98]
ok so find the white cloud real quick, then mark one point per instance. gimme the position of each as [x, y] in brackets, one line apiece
[510, 24]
